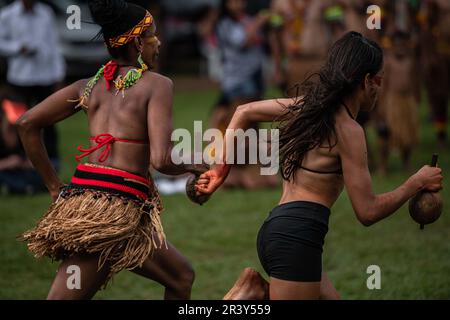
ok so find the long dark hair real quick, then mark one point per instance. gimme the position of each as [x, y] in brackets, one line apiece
[310, 122]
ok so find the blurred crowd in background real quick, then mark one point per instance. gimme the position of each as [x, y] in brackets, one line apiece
[243, 46]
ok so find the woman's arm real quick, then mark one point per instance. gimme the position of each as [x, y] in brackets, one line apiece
[160, 131]
[52, 110]
[243, 118]
[371, 208]
[261, 111]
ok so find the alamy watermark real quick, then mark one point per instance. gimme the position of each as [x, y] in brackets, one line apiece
[242, 147]
[74, 280]
[73, 21]
[374, 20]
[374, 280]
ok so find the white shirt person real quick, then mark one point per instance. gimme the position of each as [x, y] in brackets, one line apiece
[29, 40]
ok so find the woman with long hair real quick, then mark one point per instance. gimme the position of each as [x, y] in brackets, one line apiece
[108, 218]
[322, 149]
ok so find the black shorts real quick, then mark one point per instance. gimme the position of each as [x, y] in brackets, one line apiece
[290, 242]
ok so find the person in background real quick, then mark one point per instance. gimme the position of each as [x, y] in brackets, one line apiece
[398, 19]
[434, 17]
[335, 19]
[402, 98]
[108, 219]
[36, 68]
[17, 175]
[241, 43]
[298, 51]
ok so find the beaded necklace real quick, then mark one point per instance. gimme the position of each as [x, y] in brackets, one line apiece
[121, 83]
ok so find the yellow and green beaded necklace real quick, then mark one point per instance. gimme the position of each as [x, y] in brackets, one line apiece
[121, 83]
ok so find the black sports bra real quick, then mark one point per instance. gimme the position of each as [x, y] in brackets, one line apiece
[339, 172]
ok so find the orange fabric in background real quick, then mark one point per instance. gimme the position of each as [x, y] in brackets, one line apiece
[13, 110]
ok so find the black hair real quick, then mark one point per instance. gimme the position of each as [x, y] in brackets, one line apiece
[115, 18]
[310, 122]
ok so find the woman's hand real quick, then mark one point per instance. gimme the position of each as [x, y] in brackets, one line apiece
[430, 178]
[211, 180]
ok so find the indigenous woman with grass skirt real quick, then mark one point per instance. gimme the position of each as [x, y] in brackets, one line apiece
[108, 218]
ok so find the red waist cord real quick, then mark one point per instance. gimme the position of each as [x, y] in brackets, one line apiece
[103, 140]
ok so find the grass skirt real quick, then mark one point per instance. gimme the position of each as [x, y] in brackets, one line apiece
[402, 119]
[102, 218]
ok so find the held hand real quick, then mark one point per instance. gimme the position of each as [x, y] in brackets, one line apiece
[211, 180]
[430, 178]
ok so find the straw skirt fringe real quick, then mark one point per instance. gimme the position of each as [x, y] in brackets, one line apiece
[123, 232]
[402, 118]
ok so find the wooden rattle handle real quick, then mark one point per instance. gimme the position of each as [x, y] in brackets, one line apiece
[434, 160]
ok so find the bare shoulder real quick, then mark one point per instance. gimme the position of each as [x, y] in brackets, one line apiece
[350, 135]
[80, 85]
[157, 80]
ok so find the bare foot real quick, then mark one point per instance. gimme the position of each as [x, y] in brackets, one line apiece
[250, 286]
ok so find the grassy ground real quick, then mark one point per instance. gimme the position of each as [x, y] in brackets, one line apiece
[219, 238]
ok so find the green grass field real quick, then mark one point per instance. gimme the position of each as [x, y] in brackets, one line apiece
[219, 238]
